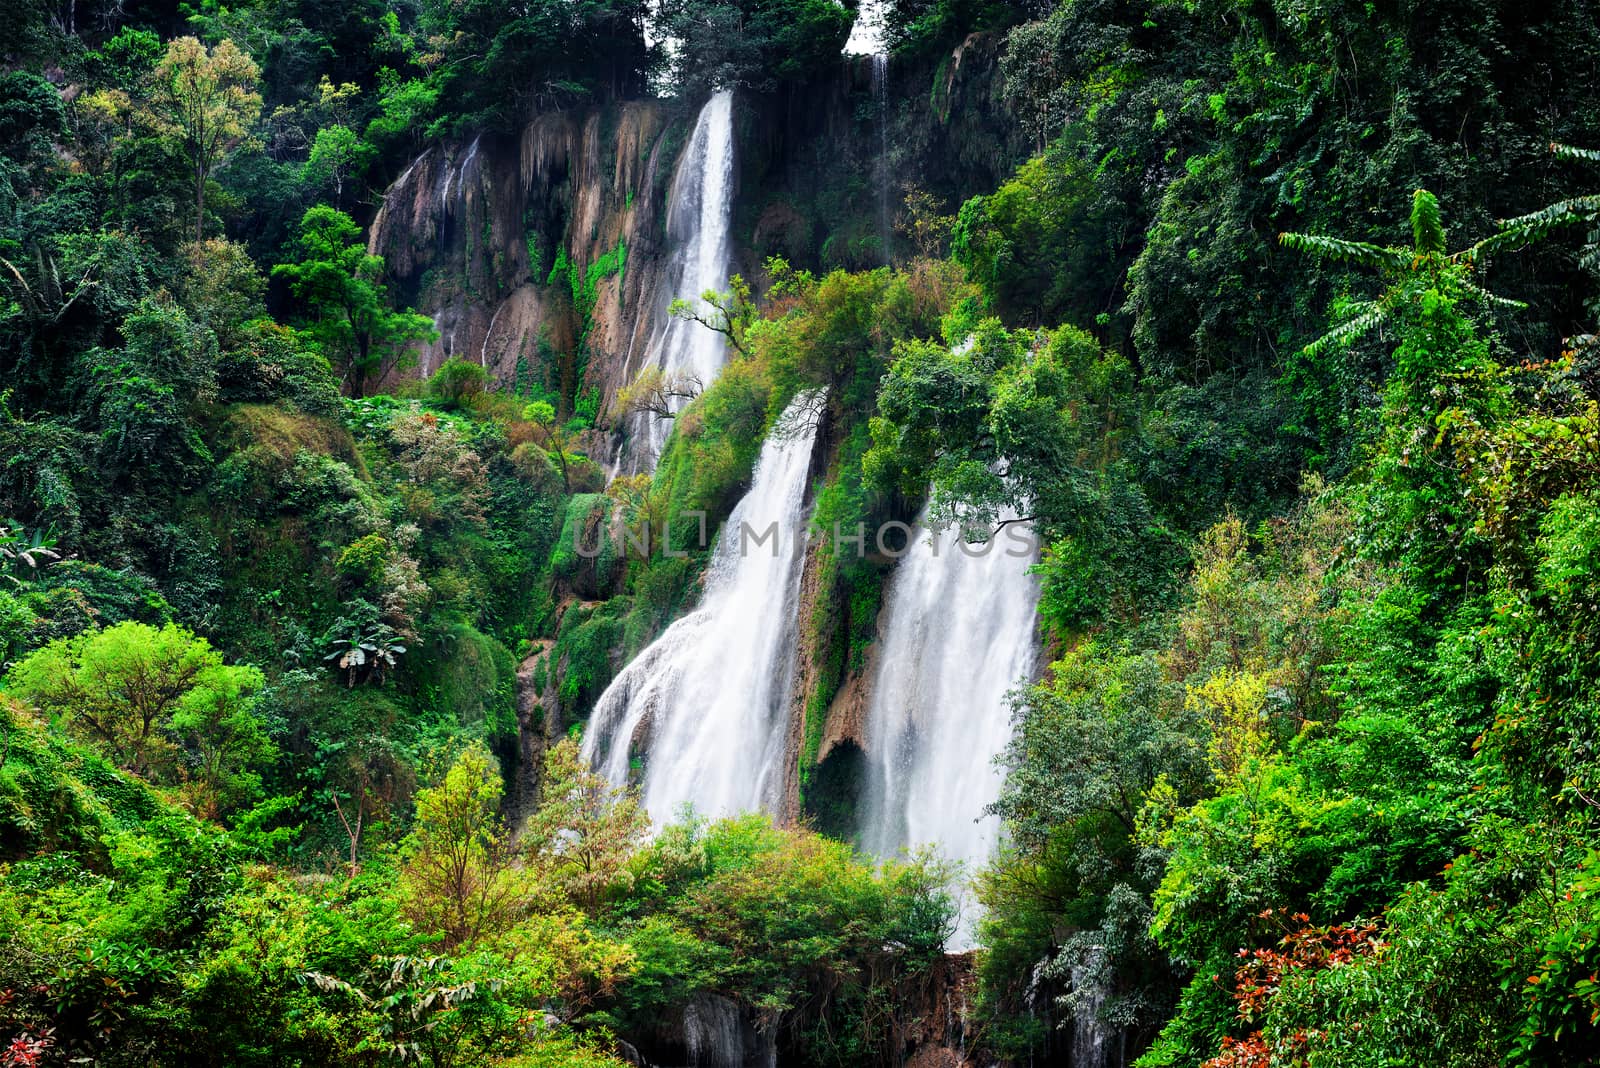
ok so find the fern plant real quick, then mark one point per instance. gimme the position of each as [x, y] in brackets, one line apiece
[1407, 272]
[1581, 210]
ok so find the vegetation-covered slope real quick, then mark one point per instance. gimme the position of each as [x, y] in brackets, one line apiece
[1280, 340]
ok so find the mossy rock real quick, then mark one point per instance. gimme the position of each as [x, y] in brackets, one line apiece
[586, 554]
[586, 652]
[274, 434]
[476, 680]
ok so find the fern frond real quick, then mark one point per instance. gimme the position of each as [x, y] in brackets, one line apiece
[1573, 152]
[1495, 242]
[1359, 253]
[1479, 293]
[1371, 314]
[1536, 224]
[1427, 226]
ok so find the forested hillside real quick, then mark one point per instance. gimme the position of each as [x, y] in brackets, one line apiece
[376, 377]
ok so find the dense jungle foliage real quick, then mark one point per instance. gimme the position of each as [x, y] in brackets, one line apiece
[1282, 340]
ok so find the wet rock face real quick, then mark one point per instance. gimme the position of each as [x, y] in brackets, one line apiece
[716, 1034]
[538, 717]
[929, 1028]
[536, 256]
[932, 1026]
[824, 173]
[710, 1031]
[514, 244]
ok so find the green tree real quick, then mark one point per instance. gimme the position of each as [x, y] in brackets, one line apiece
[1442, 364]
[502, 61]
[139, 693]
[458, 874]
[1407, 272]
[124, 60]
[343, 287]
[1015, 425]
[205, 102]
[542, 414]
[585, 829]
[337, 156]
[146, 395]
[417, 1008]
[221, 288]
[757, 44]
[216, 722]
[31, 116]
[730, 314]
[458, 383]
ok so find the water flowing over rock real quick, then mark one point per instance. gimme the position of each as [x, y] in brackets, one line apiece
[705, 703]
[1094, 1043]
[699, 211]
[885, 177]
[717, 1035]
[486, 237]
[957, 633]
[473, 232]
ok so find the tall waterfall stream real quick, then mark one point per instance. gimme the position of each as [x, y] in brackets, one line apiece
[957, 635]
[703, 706]
[711, 692]
[699, 211]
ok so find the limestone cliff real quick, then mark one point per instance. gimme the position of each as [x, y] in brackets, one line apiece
[539, 256]
[542, 255]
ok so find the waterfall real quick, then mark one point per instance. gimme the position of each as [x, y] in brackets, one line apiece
[866, 38]
[716, 1035]
[958, 634]
[699, 209]
[483, 350]
[456, 174]
[1091, 1047]
[880, 97]
[399, 184]
[711, 692]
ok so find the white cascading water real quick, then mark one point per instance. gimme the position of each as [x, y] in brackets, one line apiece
[717, 1035]
[699, 210]
[1091, 1038]
[880, 103]
[456, 174]
[959, 633]
[867, 39]
[715, 685]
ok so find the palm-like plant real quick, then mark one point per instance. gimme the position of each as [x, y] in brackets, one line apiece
[18, 547]
[366, 651]
[416, 1009]
[1581, 210]
[1584, 209]
[1407, 272]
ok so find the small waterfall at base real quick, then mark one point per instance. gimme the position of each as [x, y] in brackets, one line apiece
[711, 692]
[699, 210]
[959, 632]
[716, 1035]
[1091, 1038]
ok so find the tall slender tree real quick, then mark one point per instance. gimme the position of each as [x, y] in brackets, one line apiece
[206, 102]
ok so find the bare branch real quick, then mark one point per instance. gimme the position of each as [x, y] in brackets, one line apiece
[659, 393]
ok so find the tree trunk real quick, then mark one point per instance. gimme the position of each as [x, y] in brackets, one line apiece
[199, 203]
[358, 369]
